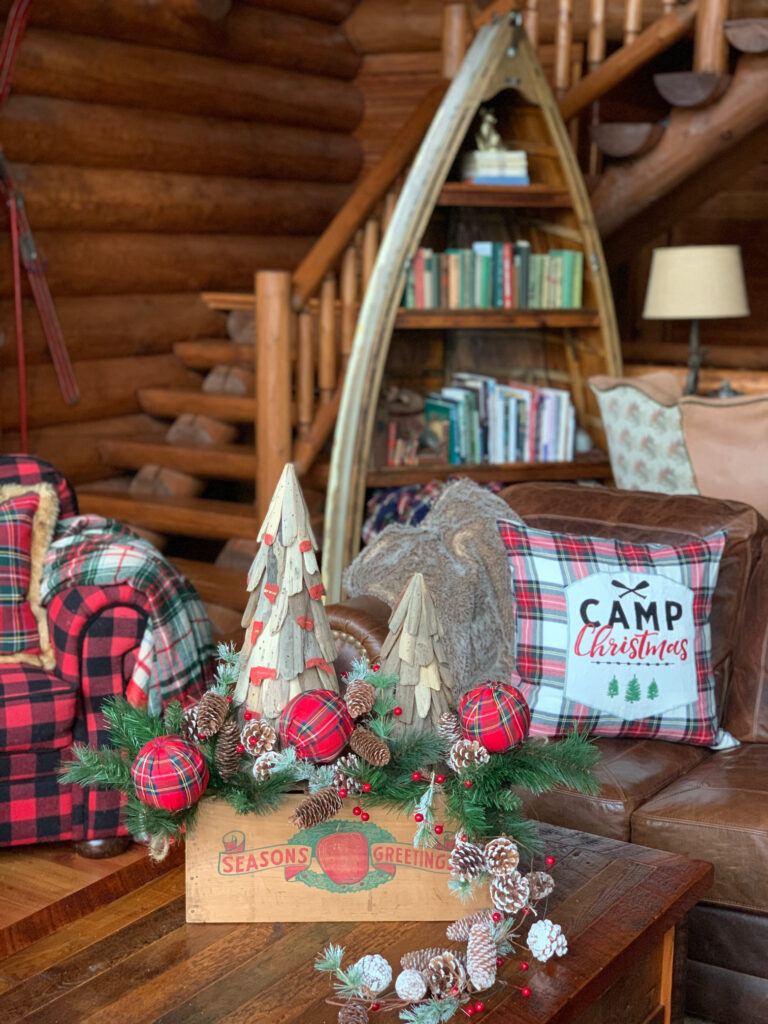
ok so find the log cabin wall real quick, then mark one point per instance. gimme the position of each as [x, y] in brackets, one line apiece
[161, 154]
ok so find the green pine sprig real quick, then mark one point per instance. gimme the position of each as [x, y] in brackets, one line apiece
[436, 1011]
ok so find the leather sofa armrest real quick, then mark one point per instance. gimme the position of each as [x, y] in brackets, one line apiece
[359, 627]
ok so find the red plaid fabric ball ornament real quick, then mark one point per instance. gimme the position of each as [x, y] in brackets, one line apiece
[496, 714]
[317, 724]
[169, 772]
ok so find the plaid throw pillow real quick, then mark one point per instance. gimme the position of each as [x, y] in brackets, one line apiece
[28, 516]
[614, 636]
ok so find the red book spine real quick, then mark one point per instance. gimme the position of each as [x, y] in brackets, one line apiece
[508, 271]
[418, 279]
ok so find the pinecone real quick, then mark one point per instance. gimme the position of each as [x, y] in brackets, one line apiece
[481, 956]
[227, 757]
[464, 753]
[459, 930]
[360, 697]
[257, 737]
[467, 861]
[546, 939]
[189, 724]
[540, 884]
[502, 856]
[509, 893]
[449, 727]
[340, 778]
[212, 711]
[370, 747]
[317, 807]
[353, 1013]
[418, 959]
[376, 973]
[263, 765]
[444, 973]
[410, 985]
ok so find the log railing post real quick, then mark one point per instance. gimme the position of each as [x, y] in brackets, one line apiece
[710, 48]
[326, 356]
[348, 302]
[305, 374]
[595, 57]
[563, 40]
[531, 22]
[370, 248]
[273, 382]
[456, 26]
[633, 20]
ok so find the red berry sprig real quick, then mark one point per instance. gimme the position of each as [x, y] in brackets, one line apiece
[525, 991]
[438, 830]
[550, 861]
[418, 816]
[366, 787]
[397, 711]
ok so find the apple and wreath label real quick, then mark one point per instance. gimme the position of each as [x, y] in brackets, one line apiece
[631, 644]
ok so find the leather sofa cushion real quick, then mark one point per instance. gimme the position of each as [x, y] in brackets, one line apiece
[739, 616]
[630, 772]
[719, 810]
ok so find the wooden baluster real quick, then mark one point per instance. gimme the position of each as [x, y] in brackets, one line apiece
[633, 20]
[370, 248]
[563, 39]
[710, 48]
[595, 57]
[390, 201]
[456, 28]
[326, 356]
[531, 21]
[305, 374]
[273, 382]
[349, 303]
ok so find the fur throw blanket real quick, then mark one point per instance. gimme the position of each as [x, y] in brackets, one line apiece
[459, 551]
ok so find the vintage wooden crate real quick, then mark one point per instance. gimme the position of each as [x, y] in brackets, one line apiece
[257, 868]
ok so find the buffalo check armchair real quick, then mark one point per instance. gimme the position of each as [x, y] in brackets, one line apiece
[114, 619]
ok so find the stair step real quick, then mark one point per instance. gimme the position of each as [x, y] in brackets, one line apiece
[226, 301]
[218, 462]
[691, 88]
[750, 35]
[190, 517]
[214, 583]
[621, 139]
[209, 352]
[167, 403]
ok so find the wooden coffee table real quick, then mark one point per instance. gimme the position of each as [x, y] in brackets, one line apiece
[136, 961]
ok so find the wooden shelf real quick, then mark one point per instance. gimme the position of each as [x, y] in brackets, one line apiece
[439, 319]
[459, 193]
[586, 468]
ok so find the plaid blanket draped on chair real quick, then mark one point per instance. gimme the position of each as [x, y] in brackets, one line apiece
[177, 645]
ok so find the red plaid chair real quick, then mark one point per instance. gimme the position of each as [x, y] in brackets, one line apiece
[96, 633]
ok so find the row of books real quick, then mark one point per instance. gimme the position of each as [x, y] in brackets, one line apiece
[477, 419]
[495, 275]
[496, 167]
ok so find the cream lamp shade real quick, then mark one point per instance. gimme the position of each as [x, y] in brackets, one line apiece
[696, 282]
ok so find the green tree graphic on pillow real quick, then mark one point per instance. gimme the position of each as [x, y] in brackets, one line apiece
[613, 687]
[653, 690]
[633, 692]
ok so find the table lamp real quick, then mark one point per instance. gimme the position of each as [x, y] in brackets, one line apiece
[694, 282]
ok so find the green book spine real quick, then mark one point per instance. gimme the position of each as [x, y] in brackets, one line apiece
[497, 300]
[578, 280]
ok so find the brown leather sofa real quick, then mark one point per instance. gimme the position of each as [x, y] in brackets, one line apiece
[686, 799]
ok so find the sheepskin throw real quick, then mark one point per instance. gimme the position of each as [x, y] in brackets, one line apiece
[458, 550]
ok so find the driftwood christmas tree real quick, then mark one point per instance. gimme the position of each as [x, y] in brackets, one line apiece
[288, 645]
[414, 652]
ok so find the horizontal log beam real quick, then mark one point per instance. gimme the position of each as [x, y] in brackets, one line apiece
[108, 387]
[221, 462]
[168, 403]
[693, 139]
[73, 447]
[75, 198]
[112, 263]
[103, 71]
[58, 131]
[738, 357]
[334, 11]
[96, 326]
[246, 34]
[205, 354]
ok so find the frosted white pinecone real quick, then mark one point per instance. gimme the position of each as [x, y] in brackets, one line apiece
[376, 973]
[263, 765]
[509, 893]
[410, 985]
[540, 884]
[546, 939]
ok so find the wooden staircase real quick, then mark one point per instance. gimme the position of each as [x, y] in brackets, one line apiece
[240, 430]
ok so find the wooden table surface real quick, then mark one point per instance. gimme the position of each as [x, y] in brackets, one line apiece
[136, 960]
